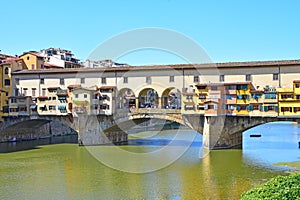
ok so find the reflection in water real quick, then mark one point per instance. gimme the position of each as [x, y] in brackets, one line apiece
[278, 143]
[67, 171]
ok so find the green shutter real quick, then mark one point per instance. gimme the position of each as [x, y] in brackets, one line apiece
[250, 107]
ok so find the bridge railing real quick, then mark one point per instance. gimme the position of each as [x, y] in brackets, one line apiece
[121, 113]
[154, 111]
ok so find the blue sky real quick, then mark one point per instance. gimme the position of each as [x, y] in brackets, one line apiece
[231, 30]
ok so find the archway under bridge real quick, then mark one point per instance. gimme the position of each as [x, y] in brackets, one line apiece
[31, 129]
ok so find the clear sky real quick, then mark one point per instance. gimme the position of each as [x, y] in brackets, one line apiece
[229, 30]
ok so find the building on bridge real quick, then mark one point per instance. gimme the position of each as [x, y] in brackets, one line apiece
[241, 88]
[289, 100]
[8, 64]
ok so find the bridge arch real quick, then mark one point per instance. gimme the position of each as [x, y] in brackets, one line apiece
[126, 99]
[28, 129]
[125, 124]
[148, 98]
[171, 98]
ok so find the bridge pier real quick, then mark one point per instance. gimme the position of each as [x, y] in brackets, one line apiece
[212, 132]
[91, 131]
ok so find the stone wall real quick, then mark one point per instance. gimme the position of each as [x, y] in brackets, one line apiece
[30, 131]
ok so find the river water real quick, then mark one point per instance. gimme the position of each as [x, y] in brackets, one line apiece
[64, 170]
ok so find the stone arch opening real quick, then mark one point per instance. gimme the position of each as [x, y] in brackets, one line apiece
[126, 99]
[171, 98]
[148, 98]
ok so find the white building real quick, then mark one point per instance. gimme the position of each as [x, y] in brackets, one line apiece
[60, 57]
[102, 63]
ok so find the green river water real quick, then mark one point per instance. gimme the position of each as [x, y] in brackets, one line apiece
[69, 171]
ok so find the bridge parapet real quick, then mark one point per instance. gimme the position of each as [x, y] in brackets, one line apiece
[154, 111]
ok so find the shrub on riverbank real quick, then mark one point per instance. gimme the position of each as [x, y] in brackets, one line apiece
[281, 187]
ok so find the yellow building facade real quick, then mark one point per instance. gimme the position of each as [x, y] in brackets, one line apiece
[6, 67]
[289, 100]
[33, 60]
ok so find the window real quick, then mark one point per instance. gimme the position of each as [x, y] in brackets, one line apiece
[214, 88]
[230, 96]
[25, 91]
[6, 70]
[230, 87]
[297, 96]
[275, 77]
[211, 107]
[42, 81]
[286, 109]
[255, 107]
[248, 77]
[270, 96]
[85, 96]
[189, 107]
[44, 92]
[242, 87]
[196, 79]
[76, 96]
[125, 79]
[222, 78]
[148, 79]
[103, 80]
[243, 97]
[62, 81]
[16, 91]
[17, 81]
[33, 91]
[297, 85]
[28, 58]
[171, 79]
[32, 66]
[52, 107]
[256, 96]
[104, 107]
[296, 109]
[202, 96]
[7, 82]
[13, 100]
[230, 107]
[82, 80]
[189, 97]
[287, 96]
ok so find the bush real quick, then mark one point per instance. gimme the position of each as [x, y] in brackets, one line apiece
[281, 188]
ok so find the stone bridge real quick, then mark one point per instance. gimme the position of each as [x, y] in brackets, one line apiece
[35, 127]
[218, 131]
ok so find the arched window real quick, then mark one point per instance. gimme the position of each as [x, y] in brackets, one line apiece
[6, 70]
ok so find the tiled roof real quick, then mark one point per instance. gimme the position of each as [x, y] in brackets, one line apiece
[51, 65]
[107, 87]
[74, 86]
[32, 53]
[209, 66]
